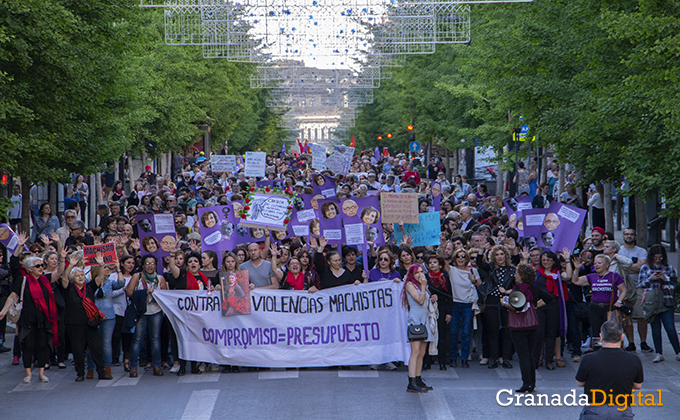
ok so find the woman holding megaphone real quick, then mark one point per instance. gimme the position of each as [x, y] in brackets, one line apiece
[522, 302]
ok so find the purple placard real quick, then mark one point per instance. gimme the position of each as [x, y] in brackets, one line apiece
[514, 207]
[8, 238]
[323, 185]
[218, 229]
[270, 183]
[157, 236]
[436, 192]
[331, 220]
[364, 211]
[243, 234]
[554, 228]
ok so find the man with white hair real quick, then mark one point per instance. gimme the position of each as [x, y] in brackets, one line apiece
[64, 232]
[466, 222]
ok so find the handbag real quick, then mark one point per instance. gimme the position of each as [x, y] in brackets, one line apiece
[652, 303]
[18, 304]
[417, 332]
[526, 320]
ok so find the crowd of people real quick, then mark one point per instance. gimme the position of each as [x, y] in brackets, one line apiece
[460, 287]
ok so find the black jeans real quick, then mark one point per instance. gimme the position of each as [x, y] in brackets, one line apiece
[597, 315]
[496, 325]
[524, 343]
[82, 337]
[119, 337]
[35, 346]
[574, 325]
[546, 334]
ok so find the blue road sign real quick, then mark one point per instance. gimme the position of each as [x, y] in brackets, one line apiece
[414, 146]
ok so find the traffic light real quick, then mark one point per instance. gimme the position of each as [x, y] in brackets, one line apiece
[379, 137]
[411, 137]
[409, 127]
[4, 179]
[389, 135]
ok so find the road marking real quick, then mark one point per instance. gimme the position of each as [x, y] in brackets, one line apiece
[195, 379]
[449, 373]
[127, 381]
[358, 374]
[35, 386]
[435, 406]
[116, 378]
[279, 374]
[200, 405]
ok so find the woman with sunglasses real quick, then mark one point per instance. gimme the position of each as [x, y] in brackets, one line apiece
[38, 331]
[464, 280]
[499, 275]
[658, 274]
[151, 321]
[385, 268]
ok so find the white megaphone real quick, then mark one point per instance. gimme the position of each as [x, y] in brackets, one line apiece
[517, 300]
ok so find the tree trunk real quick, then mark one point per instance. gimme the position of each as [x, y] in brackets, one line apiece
[560, 182]
[640, 222]
[26, 209]
[500, 185]
[608, 210]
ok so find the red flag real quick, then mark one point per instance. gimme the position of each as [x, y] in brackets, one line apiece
[385, 152]
[300, 144]
[352, 143]
[307, 148]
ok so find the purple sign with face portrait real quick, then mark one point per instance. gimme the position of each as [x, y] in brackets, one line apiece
[554, 228]
[218, 229]
[330, 220]
[323, 185]
[243, 233]
[436, 192]
[8, 238]
[514, 208]
[361, 220]
[157, 235]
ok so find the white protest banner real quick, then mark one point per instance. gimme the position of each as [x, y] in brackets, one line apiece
[318, 156]
[347, 325]
[223, 163]
[335, 163]
[256, 163]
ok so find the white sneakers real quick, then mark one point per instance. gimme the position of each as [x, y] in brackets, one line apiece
[27, 379]
[484, 361]
[659, 358]
[390, 366]
[174, 368]
[44, 379]
[586, 344]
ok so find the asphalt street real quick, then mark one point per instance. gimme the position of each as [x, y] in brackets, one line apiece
[358, 393]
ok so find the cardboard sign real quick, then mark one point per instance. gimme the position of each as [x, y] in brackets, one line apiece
[399, 206]
[424, 233]
[318, 156]
[108, 251]
[256, 163]
[223, 163]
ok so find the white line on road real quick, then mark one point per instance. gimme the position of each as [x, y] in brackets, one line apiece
[358, 374]
[195, 379]
[435, 405]
[279, 374]
[200, 405]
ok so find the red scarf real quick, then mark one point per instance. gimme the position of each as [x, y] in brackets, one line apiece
[90, 308]
[298, 282]
[438, 280]
[192, 283]
[551, 283]
[48, 308]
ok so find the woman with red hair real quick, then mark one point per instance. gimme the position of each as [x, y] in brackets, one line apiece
[415, 296]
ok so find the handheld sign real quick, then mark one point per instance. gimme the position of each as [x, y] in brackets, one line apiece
[256, 163]
[108, 251]
[399, 206]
